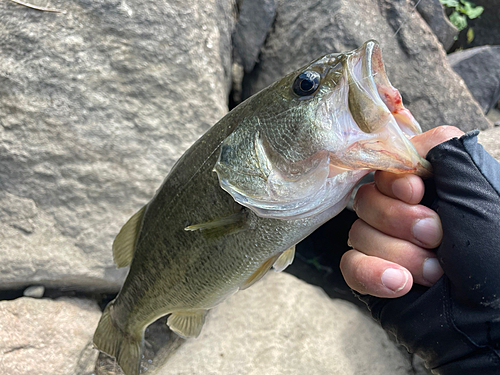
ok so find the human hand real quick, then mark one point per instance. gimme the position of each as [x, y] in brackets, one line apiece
[454, 325]
[392, 239]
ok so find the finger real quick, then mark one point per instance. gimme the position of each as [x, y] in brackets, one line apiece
[415, 223]
[421, 263]
[378, 277]
[408, 188]
[425, 141]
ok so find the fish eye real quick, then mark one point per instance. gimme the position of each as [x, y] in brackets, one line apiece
[306, 83]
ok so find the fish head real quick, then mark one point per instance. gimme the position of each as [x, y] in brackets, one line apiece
[303, 143]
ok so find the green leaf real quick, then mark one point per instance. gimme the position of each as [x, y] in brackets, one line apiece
[476, 12]
[459, 20]
[449, 3]
[470, 35]
[470, 9]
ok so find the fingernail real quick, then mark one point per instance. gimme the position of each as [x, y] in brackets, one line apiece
[349, 243]
[427, 231]
[394, 279]
[432, 270]
[401, 189]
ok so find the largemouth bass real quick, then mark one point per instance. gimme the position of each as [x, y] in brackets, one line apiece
[260, 180]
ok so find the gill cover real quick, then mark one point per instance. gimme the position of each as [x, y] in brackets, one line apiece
[273, 187]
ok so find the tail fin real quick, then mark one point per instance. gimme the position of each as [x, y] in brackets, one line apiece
[123, 346]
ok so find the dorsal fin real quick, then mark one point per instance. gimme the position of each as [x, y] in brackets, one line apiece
[124, 243]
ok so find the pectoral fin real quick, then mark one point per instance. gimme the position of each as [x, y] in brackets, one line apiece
[187, 323]
[124, 243]
[226, 225]
[285, 259]
[261, 271]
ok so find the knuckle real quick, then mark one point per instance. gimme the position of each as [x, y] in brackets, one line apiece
[351, 266]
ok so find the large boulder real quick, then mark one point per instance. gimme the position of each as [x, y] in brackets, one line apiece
[416, 62]
[46, 337]
[254, 22]
[479, 67]
[96, 105]
[285, 326]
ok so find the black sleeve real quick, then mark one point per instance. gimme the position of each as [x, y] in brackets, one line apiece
[455, 325]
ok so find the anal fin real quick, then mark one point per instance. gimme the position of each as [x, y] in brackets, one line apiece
[261, 271]
[285, 259]
[124, 243]
[187, 323]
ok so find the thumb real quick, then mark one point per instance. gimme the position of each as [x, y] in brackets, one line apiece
[431, 138]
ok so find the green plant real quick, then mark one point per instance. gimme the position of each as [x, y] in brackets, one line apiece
[461, 11]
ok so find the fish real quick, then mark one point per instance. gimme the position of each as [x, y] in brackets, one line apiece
[259, 181]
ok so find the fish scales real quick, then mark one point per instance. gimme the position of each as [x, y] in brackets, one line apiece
[259, 181]
[181, 264]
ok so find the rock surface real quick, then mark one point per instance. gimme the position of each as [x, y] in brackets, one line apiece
[490, 139]
[285, 326]
[433, 13]
[45, 337]
[479, 67]
[96, 106]
[254, 22]
[415, 61]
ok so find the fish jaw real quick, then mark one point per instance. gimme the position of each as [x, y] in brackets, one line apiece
[380, 126]
[366, 75]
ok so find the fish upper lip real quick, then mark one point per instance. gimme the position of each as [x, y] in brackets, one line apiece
[365, 69]
[371, 74]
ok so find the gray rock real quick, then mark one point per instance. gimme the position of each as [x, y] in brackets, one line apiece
[34, 291]
[479, 67]
[285, 326]
[490, 139]
[254, 22]
[494, 116]
[433, 13]
[416, 62]
[46, 337]
[96, 105]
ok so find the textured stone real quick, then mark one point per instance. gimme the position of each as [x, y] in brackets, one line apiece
[490, 139]
[96, 105]
[433, 13]
[34, 291]
[254, 22]
[285, 326]
[494, 115]
[479, 67]
[416, 62]
[46, 337]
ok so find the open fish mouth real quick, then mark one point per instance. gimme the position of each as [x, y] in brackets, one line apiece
[368, 81]
[377, 109]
